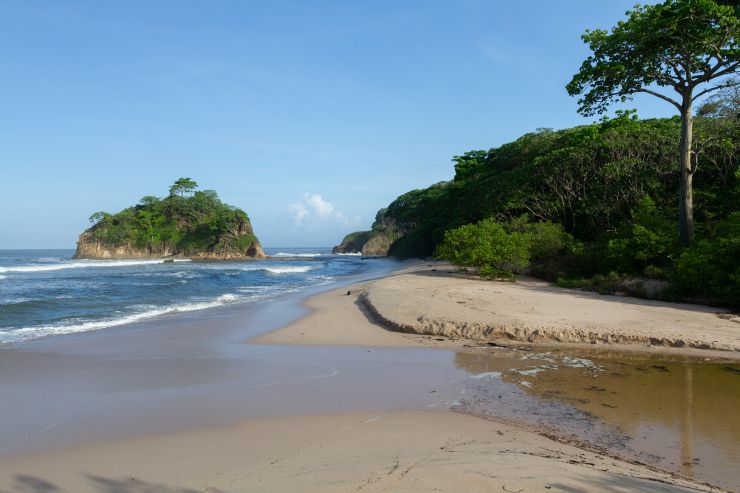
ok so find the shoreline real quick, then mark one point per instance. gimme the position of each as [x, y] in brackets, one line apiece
[329, 414]
[207, 309]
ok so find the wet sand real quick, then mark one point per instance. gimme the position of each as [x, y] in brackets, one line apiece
[182, 404]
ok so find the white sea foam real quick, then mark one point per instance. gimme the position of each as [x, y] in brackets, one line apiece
[15, 301]
[254, 289]
[530, 371]
[580, 363]
[3, 277]
[286, 254]
[288, 270]
[351, 254]
[83, 264]
[535, 370]
[27, 333]
[488, 374]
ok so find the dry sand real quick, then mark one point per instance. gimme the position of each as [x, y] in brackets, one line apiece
[441, 303]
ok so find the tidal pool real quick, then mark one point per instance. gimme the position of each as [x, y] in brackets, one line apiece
[679, 414]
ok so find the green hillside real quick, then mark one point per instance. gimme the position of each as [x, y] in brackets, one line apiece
[612, 187]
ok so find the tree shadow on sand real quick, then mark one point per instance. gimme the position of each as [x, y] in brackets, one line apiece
[31, 484]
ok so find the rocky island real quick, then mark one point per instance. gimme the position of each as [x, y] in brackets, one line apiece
[187, 223]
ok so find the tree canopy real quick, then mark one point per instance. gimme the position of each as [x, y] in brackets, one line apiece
[610, 185]
[679, 45]
[183, 187]
[690, 46]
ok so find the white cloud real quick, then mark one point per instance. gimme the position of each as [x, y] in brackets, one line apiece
[319, 205]
[313, 208]
[299, 211]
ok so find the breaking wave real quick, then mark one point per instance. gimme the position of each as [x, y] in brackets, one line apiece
[83, 264]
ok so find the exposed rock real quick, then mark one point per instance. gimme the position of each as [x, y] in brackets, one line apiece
[379, 243]
[90, 247]
[353, 242]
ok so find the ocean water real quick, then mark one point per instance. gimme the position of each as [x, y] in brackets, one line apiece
[46, 293]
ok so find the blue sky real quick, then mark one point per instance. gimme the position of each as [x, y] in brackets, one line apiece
[308, 115]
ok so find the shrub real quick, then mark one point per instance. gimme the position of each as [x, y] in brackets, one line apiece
[549, 240]
[506, 249]
[487, 248]
[710, 268]
[646, 242]
[553, 252]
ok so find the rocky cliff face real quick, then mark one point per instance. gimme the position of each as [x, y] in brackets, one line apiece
[381, 240]
[90, 247]
[239, 243]
[376, 242]
[353, 242]
[379, 243]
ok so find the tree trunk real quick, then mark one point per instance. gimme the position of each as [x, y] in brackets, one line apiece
[686, 174]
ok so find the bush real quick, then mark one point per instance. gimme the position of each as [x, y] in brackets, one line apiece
[646, 243]
[505, 249]
[487, 248]
[710, 268]
[553, 252]
[549, 241]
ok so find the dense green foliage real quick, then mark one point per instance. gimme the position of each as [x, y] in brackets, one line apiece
[610, 185]
[495, 249]
[678, 51]
[677, 44]
[596, 205]
[486, 247]
[711, 267]
[186, 221]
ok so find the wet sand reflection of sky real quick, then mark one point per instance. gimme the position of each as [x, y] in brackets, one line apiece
[676, 413]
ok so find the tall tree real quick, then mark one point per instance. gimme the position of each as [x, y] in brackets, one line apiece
[183, 187]
[690, 46]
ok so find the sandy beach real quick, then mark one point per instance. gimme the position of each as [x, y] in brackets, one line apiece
[440, 303]
[435, 302]
[392, 451]
[334, 401]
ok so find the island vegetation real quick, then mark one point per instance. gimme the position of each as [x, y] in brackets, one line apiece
[187, 222]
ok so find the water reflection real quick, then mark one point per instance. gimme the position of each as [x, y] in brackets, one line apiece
[676, 413]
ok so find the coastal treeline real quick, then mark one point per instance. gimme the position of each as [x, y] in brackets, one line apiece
[187, 221]
[650, 207]
[592, 206]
